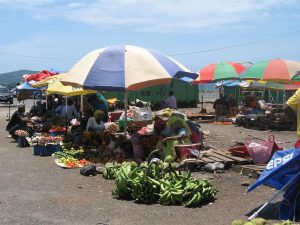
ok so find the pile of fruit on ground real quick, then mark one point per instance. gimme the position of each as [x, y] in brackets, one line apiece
[158, 182]
[258, 221]
[71, 158]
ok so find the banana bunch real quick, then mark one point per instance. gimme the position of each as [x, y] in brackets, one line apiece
[154, 171]
[171, 193]
[198, 192]
[145, 189]
[123, 183]
[111, 171]
[153, 182]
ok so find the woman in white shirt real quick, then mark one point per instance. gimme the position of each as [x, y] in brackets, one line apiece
[95, 123]
[95, 128]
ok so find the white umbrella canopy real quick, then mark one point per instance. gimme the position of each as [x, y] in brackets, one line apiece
[123, 68]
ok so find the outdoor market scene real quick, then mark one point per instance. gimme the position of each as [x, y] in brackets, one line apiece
[150, 112]
[152, 151]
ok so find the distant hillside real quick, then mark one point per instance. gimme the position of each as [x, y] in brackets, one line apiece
[12, 78]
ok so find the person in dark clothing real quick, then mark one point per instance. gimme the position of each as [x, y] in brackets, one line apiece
[99, 103]
[38, 110]
[220, 106]
[18, 121]
[232, 105]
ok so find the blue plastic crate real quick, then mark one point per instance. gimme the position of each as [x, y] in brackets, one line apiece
[41, 150]
[54, 148]
[22, 142]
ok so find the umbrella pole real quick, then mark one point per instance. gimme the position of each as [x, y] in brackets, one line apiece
[125, 119]
[277, 99]
[66, 102]
[66, 119]
[202, 89]
[46, 101]
[81, 103]
[81, 106]
[9, 110]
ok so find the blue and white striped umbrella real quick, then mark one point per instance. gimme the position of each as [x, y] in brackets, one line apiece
[124, 67]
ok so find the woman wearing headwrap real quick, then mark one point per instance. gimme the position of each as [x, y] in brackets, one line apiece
[95, 128]
[177, 132]
[95, 123]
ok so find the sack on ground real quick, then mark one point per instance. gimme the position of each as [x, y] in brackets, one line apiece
[88, 170]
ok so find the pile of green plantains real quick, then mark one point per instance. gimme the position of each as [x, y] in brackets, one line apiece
[158, 182]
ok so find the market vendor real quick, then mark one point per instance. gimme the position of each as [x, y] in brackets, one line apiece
[251, 105]
[220, 106]
[94, 127]
[19, 121]
[96, 123]
[170, 102]
[38, 109]
[70, 111]
[176, 131]
[232, 105]
[99, 103]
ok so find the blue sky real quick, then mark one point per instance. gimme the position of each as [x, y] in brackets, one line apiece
[45, 34]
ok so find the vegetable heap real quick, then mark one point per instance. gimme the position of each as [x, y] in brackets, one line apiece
[44, 140]
[71, 158]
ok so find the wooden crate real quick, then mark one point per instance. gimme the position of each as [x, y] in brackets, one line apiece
[249, 170]
[215, 155]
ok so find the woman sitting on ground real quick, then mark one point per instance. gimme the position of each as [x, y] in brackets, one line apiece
[94, 128]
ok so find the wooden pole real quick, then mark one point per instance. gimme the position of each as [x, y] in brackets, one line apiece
[125, 119]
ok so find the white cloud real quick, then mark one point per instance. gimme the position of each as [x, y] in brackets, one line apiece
[75, 5]
[162, 16]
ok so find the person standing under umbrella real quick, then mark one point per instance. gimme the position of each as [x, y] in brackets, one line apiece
[69, 111]
[220, 106]
[170, 102]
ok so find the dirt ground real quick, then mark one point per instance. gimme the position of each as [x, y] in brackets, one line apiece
[33, 190]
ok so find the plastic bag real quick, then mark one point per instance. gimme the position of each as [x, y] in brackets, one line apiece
[261, 151]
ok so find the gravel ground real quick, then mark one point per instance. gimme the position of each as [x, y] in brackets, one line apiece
[33, 190]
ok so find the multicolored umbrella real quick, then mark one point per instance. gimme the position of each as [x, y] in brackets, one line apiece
[38, 76]
[280, 86]
[259, 85]
[124, 67]
[220, 71]
[25, 86]
[47, 81]
[277, 70]
[56, 87]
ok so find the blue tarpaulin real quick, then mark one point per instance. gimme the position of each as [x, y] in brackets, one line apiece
[228, 83]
